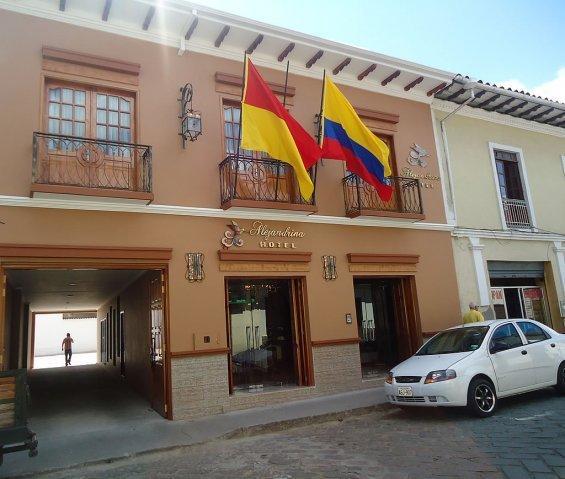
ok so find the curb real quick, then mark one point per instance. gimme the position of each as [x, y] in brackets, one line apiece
[246, 431]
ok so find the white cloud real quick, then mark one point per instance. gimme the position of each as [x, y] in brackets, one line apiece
[553, 89]
[514, 84]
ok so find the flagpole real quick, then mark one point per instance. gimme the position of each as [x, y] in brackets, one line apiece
[285, 83]
[239, 129]
[320, 125]
[320, 116]
[284, 106]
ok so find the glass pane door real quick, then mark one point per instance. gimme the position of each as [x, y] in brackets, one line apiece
[262, 336]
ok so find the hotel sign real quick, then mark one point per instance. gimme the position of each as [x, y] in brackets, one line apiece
[265, 235]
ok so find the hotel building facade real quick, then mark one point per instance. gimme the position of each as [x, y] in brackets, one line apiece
[216, 287]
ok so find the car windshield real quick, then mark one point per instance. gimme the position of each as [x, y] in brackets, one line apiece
[460, 340]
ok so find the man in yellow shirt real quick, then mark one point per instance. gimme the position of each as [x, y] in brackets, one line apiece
[473, 315]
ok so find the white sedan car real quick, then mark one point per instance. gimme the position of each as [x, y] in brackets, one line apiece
[475, 364]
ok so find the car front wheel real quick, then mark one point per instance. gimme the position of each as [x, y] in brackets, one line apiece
[481, 398]
[560, 386]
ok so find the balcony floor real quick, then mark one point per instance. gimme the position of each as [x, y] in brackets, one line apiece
[89, 194]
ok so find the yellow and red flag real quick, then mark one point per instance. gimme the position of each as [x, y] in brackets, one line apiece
[267, 126]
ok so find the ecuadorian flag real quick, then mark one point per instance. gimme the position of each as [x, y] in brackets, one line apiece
[346, 138]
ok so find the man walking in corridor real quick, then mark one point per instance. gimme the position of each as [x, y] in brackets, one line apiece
[67, 346]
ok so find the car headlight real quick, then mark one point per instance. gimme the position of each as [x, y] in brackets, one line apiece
[389, 378]
[438, 376]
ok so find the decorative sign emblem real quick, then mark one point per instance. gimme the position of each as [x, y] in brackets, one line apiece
[427, 180]
[269, 237]
[232, 237]
[417, 155]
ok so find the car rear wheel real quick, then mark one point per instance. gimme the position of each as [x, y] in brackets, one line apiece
[481, 398]
[560, 386]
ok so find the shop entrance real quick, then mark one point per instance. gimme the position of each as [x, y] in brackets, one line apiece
[268, 334]
[518, 290]
[387, 322]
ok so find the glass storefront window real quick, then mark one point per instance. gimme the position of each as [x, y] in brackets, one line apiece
[262, 337]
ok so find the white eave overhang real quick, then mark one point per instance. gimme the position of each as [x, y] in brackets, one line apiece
[492, 99]
[190, 27]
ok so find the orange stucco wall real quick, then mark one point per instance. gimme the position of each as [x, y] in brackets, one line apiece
[181, 177]
[190, 178]
[199, 308]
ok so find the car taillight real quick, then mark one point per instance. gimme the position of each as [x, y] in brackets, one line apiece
[389, 378]
[438, 376]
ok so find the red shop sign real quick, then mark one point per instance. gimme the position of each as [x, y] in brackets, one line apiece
[532, 293]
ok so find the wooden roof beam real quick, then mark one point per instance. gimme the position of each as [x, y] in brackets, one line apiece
[502, 104]
[314, 59]
[543, 113]
[412, 84]
[286, 51]
[517, 107]
[456, 94]
[364, 73]
[221, 36]
[494, 97]
[62, 5]
[341, 66]
[530, 110]
[556, 117]
[391, 77]
[254, 44]
[191, 29]
[437, 88]
[106, 11]
[148, 18]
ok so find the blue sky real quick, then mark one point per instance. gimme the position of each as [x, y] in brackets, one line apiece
[518, 42]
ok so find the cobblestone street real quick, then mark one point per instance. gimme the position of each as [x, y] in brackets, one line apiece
[526, 439]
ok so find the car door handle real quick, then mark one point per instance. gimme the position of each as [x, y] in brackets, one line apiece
[552, 345]
[524, 352]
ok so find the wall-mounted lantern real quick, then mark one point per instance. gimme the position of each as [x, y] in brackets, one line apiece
[194, 266]
[190, 120]
[330, 269]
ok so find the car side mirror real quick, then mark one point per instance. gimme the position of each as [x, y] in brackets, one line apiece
[498, 345]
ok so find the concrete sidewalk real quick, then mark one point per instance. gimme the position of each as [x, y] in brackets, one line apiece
[147, 432]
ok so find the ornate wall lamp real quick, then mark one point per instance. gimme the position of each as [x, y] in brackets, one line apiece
[194, 266]
[330, 269]
[190, 120]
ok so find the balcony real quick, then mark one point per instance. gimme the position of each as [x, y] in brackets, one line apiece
[91, 169]
[261, 184]
[361, 199]
[516, 213]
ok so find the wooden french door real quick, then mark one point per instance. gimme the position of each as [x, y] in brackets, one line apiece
[302, 342]
[157, 352]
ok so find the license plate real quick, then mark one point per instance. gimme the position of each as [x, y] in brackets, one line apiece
[405, 391]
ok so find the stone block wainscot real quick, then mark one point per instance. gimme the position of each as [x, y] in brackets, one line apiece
[200, 383]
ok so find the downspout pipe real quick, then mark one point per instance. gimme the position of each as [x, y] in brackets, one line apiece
[453, 218]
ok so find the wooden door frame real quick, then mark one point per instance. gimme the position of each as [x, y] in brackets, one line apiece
[33, 257]
[304, 343]
[3, 287]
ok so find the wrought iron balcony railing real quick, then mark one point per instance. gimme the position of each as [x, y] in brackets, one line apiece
[245, 180]
[83, 162]
[516, 213]
[362, 199]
